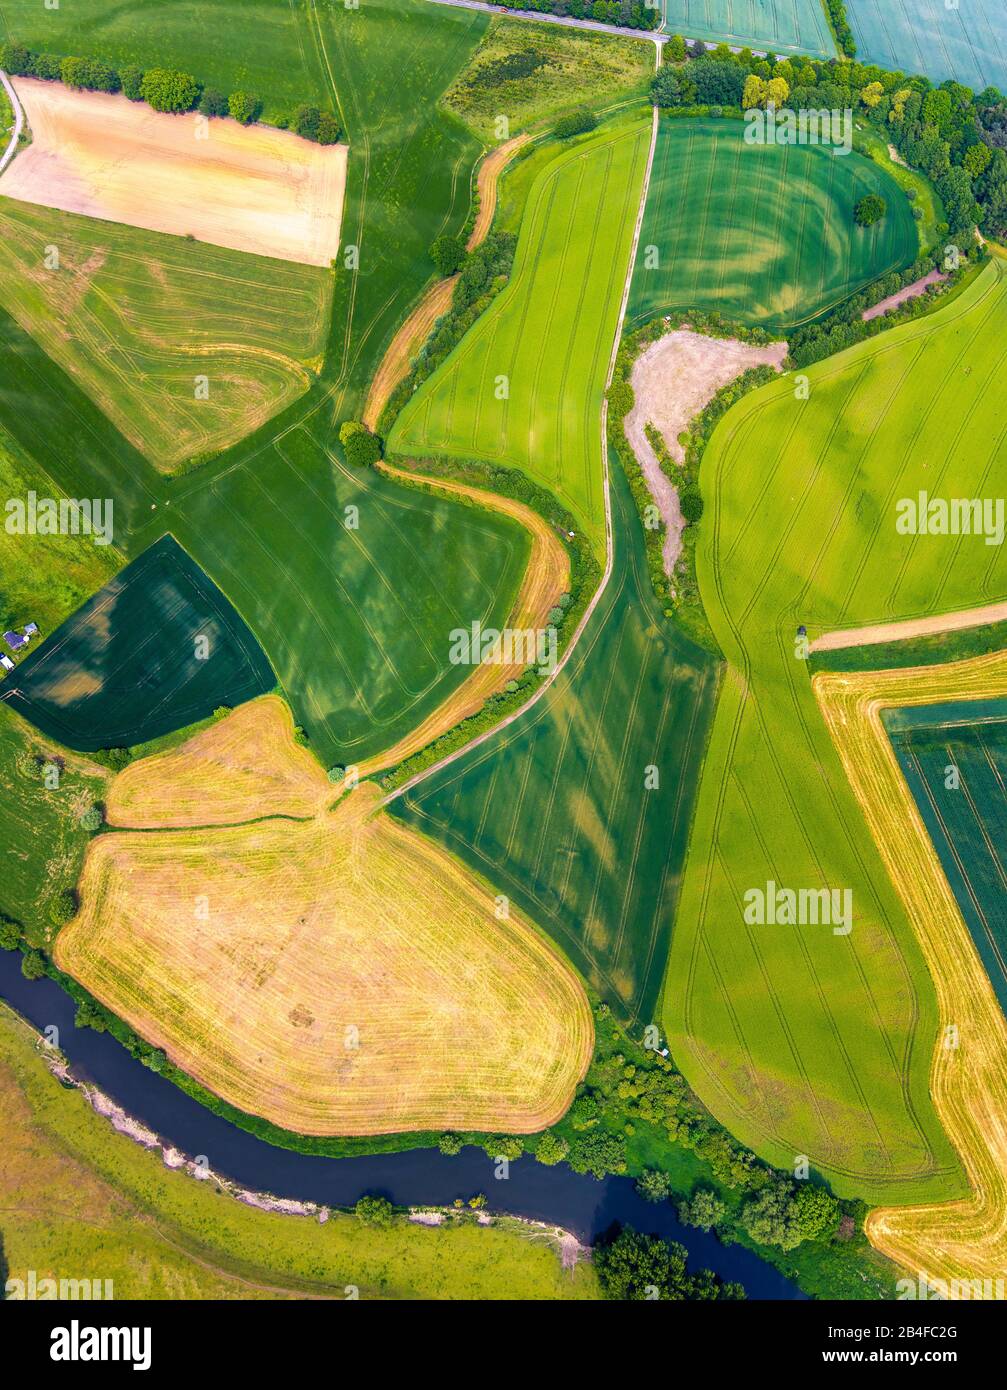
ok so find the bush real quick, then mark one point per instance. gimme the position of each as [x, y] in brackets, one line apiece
[132, 81]
[503, 1146]
[88, 74]
[551, 1149]
[32, 965]
[653, 1186]
[870, 209]
[244, 107]
[576, 123]
[362, 449]
[448, 254]
[213, 102]
[449, 1144]
[336, 774]
[15, 59]
[10, 934]
[115, 758]
[167, 90]
[690, 501]
[64, 908]
[92, 819]
[374, 1211]
[47, 66]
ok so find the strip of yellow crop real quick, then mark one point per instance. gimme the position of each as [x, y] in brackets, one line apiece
[963, 1241]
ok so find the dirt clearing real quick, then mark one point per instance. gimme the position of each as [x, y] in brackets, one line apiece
[249, 188]
[910, 627]
[673, 380]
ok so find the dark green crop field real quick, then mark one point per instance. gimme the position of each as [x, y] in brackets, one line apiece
[157, 648]
[763, 234]
[966, 820]
[579, 811]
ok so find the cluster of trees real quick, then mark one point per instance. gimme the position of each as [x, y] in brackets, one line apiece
[163, 89]
[870, 209]
[836, 10]
[361, 447]
[786, 1213]
[634, 1266]
[630, 14]
[957, 138]
[575, 123]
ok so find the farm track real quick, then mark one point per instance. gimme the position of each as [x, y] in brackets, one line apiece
[962, 1240]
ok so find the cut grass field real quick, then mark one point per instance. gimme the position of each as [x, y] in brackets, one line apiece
[524, 387]
[80, 1200]
[556, 810]
[941, 41]
[157, 648]
[43, 843]
[965, 1239]
[531, 73]
[779, 26]
[320, 972]
[249, 188]
[763, 234]
[800, 1040]
[136, 318]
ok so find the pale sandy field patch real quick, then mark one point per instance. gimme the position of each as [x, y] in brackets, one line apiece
[249, 188]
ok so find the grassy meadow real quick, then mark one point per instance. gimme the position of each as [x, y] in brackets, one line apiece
[135, 316]
[531, 73]
[524, 387]
[580, 809]
[763, 234]
[78, 1199]
[801, 1040]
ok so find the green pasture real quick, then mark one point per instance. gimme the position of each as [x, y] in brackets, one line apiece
[763, 234]
[779, 26]
[525, 386]
[579, 811]
[967, 42]
[800, 1040]
[135, 316]
[967, 821]
[43, 843]
[158, 647]
[529, 73]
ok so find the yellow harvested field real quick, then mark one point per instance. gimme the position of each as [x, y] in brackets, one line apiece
[490, 170]
[250, 188]
[335, 975]
[546, 578]
[246, 765]
[965, 1241]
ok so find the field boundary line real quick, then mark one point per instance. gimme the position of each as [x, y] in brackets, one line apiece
[609, 547]
[11, 149]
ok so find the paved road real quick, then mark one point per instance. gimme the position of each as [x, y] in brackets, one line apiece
[565, 20]
[8, 154]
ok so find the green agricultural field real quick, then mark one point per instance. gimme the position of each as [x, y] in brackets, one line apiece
[967, 821]
[530, 73]
[251, 45]
[78, 1197]
[801, 1040]
[158, 647]
[525, 385]
[134, 316]
[967, 42]
[42, 578]
[781, 26]
[763, 234]
[558, 811]
[43, 843]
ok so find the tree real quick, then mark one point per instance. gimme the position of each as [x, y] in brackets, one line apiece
[15, 59]
[244, 107]
[872, 94]
[690, 501]
[10, 933]
[955, 191]
[374, 1211]
[306, 120]
[167, 90]
[754, 92]
[574, 123]
[46, 66]
[771, 1217]
[449, 1144]
[653, 1185]
[637, 1267]
[329, 129]
[88, 74]
[448, 254]
[718, 84]
[871, 208]
[818, 1212]
[213, 102]
[551, 1149]
[115, 758]
[64, 907]
[92, 819]
[503, 1146]
[132, 81]
[704, 1210]
[976, 159]
[362, 449]
[777, 91]
[672, 88]
[32, 965]
[90, 1014]
[674, 49]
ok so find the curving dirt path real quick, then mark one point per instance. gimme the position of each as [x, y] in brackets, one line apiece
[546, 577]
[18, 110]
[911, 627]
[437, 300]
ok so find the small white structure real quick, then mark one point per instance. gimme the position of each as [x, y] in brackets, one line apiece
[6, 663]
